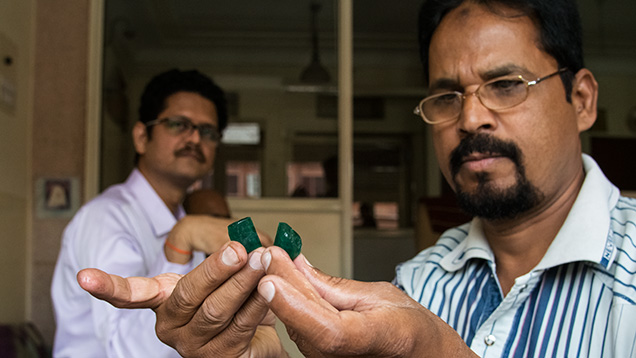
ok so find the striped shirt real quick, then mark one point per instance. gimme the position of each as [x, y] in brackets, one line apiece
[579, 301]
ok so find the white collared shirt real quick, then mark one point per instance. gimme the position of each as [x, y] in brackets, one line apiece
[122, 231]
[579, 301]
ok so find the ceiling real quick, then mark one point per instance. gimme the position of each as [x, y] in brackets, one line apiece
[206, 22]
[157, 28]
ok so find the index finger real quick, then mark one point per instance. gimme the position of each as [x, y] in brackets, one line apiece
[215, 308]
[193, 289]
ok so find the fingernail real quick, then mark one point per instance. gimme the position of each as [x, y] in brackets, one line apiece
[307, 261]
[255, 261]
[267, 290]
[266, 259]
[229, 257]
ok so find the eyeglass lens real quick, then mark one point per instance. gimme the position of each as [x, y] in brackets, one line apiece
[497, 94]
[180, 125]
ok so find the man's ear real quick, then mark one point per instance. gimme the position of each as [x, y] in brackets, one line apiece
[585, 98]
[140, 137]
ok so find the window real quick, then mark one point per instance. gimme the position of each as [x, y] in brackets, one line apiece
[305, 179]
[243, 179]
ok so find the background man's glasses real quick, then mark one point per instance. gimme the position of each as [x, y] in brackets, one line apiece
[179, 125]
[496, 94]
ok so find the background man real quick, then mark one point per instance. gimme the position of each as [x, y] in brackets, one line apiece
[181, 116]
[546, 267]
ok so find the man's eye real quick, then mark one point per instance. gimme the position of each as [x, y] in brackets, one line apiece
[446, 99]
[177, 125]
[207, 131]
[506, 85]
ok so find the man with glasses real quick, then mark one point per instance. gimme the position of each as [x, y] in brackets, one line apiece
[124, 230]
[545, 269]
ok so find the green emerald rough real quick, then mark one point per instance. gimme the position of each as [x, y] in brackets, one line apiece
[288, 240]
[244, 232]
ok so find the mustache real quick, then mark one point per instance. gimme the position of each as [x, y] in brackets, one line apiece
[483, 143]
[191, 150]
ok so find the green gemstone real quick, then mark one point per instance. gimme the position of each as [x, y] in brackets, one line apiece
[288, 240]
[244, 232]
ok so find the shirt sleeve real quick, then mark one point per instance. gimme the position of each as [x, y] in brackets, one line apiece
[117, 242]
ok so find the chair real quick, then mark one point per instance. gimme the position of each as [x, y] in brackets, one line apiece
[22, 340]
[434, 216]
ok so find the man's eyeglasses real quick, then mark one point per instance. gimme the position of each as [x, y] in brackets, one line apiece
[179, 125]
[496, 94]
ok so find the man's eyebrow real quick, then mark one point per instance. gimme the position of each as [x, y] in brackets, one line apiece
[504, 70]
[454, 85]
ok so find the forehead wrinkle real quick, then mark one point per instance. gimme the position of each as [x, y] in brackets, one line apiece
[490, 18]
[503, 70]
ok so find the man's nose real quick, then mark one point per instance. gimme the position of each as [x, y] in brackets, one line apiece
[474, 116]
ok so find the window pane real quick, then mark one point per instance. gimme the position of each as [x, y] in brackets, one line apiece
[243, 179]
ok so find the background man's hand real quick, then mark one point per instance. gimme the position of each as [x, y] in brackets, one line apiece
[201, 233]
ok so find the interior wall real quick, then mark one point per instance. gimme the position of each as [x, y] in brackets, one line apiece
[616, 76]
[16, 43]
[617, 96]
[58, 135]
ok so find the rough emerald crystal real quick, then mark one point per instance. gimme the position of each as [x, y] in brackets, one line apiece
[288, 240]
[244, 232]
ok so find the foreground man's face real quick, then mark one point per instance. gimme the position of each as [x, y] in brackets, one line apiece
[472, 46]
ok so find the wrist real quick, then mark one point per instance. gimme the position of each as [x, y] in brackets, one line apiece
[176, 254]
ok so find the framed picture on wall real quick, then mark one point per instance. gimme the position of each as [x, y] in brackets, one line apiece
[57, 197]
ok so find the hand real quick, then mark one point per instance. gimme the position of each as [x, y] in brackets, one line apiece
[334, 317]
[212, 311]
[200, 233]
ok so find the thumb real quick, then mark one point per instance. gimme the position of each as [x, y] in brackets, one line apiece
[341, 293]
[309, 322]
[319, 323]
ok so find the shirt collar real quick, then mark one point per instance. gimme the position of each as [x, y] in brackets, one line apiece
[582, 237]
[473, 246]
[584, 234]
[157, 213]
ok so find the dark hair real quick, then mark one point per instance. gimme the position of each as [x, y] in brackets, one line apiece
[163, 85]
[558, 23]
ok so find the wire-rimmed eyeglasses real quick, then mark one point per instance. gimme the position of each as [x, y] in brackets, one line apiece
[178, 125]
[497, 94]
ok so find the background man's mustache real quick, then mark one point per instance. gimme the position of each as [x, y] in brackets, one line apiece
[191, 149]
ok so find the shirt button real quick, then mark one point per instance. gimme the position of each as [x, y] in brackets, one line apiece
[490, 340]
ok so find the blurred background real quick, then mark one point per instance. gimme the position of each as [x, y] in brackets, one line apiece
[321, 134]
